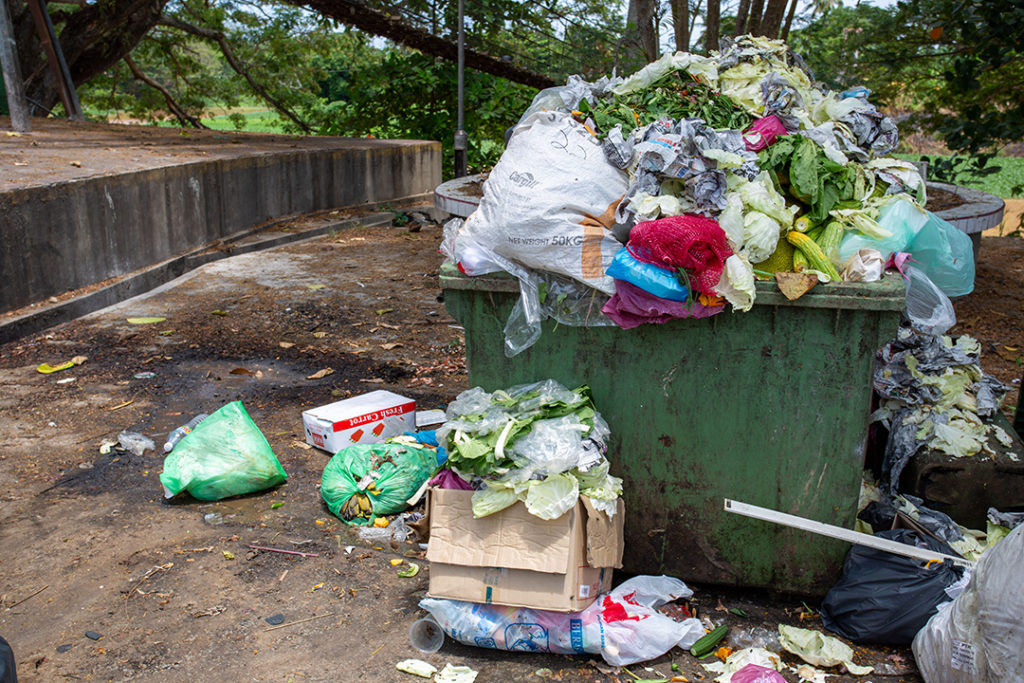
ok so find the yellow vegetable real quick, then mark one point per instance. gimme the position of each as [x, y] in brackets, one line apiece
[815, 256]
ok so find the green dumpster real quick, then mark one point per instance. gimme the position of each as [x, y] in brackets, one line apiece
[768, 407]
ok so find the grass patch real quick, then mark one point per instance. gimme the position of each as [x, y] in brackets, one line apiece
[258, 121]
[1007, 183]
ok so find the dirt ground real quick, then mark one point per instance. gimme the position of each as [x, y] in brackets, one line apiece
[90, 545]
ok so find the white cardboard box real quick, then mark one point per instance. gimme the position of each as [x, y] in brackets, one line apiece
[369, 418]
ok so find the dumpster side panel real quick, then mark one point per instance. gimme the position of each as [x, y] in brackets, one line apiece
[768, 407]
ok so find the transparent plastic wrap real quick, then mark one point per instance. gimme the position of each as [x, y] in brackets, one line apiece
[927, 307]
[624, 626]
[979, 638]
[545, 295]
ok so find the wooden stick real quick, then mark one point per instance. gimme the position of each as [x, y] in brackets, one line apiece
[282, 550]
[29, 597]
[274, 628]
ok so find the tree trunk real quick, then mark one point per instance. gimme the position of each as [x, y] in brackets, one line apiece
[754, 17]
[648, 31]
[789, 20]
[771, 23]
[742, 13]
[711, 26]
[681, 24]
[375, 22]
[93, 38]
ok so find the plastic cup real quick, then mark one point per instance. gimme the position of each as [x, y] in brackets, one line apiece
[426, 635]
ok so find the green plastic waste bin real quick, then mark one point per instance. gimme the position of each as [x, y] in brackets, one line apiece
[768, 407]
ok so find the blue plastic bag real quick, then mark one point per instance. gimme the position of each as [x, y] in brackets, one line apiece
[660, 282]
[945, 255]
[900, 217]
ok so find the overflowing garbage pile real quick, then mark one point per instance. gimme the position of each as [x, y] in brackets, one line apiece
[935, 395]
[666, 194]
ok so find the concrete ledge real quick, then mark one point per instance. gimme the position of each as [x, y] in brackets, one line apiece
[161, 273]
[74, 233]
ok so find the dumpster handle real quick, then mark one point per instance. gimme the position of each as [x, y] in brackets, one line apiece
[842, 534]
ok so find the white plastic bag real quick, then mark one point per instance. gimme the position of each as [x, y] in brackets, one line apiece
[928, 308]
[624, 626]
[979, 638]
[549, 203]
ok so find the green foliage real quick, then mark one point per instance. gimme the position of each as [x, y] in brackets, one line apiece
[1007, 181]
[675, 95]
[405, 94]
[958, 64]
[275, 44]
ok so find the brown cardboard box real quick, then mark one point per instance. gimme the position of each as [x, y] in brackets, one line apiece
[514, 558]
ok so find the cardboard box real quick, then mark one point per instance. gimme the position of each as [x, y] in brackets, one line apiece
[514, 558]
[369, 418]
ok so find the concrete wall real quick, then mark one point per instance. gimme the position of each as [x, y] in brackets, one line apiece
[68, 235]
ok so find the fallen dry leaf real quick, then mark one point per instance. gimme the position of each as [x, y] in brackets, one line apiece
[286, 345]
[242, 371]
[795, 285]
[320, 374]
[390, 345]
[319, 335]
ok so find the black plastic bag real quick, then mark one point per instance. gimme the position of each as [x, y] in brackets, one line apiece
[885, 598]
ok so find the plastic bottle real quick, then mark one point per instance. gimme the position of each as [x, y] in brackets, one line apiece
[178, 434]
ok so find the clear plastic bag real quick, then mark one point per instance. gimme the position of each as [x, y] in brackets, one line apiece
[978, 638]
[927, 306]
[946, 255]
[624, 630]
[900, 217]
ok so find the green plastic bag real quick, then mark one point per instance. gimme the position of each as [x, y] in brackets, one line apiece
[225, 455]
[365, 481]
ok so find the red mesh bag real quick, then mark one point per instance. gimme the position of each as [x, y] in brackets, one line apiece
[694, 243]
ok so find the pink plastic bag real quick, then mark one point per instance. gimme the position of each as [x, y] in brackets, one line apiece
[752, 673]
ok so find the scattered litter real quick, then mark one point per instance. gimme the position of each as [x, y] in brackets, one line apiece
[145, 321]
[320, 374]
[209, 612]
[416, 667]
[819, 650]
[92, 635]
[122, 405]
[144, 375]
[135, 442]
[395, 562]
[66, 380]
[225, 455]
[455, 674]
[48, 369]
[286, 344]
[752, 673]
[283, 551]
[228, 555]
[412, 570]
[300, 621]
[274, 506]
[806, 672]
[382, 311]
[213, 518]
[106, 445]
[315, 286]
[740, 659]
[218, 312]
[275, 619]
[624, 626]
[64, 648]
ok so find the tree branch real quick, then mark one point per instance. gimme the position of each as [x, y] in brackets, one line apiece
[375, 22]
[229, 55]
[176, 109]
